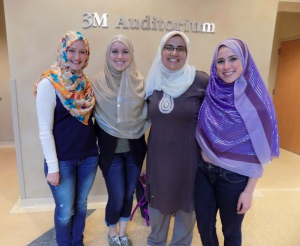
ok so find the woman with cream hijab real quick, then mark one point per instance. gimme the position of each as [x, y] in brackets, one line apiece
[175, 91]
[122, 119]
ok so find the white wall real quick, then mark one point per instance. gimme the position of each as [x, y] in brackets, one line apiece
[6, 129]
[34, 28]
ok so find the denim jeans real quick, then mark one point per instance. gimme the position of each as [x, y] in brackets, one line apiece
[70, 196]
[121, 180]
[218, 189]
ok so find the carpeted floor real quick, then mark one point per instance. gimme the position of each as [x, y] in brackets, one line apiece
[48, 238]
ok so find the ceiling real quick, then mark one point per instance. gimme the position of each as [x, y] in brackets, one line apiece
[288, 6]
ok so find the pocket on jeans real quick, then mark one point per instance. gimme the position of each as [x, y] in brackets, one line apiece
[234, 177]
[92, 159]
[203, 164]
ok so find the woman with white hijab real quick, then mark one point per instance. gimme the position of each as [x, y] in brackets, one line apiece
[122, 119]
[174, 91]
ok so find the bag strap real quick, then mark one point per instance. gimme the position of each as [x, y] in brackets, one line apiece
[140, 203]
[146, 216]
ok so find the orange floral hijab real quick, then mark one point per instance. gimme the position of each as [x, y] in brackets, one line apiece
[73, 88]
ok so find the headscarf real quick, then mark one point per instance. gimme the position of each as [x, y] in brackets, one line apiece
[172, 83]
[237, 127]
[120, 107]
[71, 87]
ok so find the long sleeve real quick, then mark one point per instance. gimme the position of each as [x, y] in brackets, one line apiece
[46, 103]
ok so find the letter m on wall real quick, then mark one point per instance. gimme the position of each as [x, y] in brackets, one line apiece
[208, 27]
[94, 20]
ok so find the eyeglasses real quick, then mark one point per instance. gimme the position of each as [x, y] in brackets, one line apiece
[179, 49]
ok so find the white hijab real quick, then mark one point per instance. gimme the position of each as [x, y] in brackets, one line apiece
[172, 83]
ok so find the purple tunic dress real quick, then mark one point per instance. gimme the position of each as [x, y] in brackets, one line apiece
[173, 152]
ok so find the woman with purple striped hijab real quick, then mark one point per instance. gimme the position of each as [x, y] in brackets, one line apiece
[238, 134]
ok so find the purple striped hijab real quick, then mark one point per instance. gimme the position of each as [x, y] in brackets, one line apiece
[237, 126]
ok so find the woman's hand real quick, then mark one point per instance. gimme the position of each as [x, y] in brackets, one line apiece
[244, 202]
[245, 199]
[53, 178]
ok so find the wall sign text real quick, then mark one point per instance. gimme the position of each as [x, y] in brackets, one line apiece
[149, 23]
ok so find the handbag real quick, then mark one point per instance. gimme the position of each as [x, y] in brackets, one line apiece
[141, 199]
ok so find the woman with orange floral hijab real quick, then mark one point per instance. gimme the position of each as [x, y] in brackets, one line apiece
[65, 101]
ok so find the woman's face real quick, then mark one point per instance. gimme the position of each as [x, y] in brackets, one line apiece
[229, 66]
[174, 59]
[77, 55]
[119, 56]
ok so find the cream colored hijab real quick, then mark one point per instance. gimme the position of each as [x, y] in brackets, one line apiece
[172, 83]
[120, 107]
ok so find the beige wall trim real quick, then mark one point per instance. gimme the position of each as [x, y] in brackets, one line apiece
[290, 1]
[288, 39]
[34, 205]
[16, 127]
[7, 144]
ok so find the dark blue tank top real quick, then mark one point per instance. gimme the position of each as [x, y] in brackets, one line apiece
[73, 139]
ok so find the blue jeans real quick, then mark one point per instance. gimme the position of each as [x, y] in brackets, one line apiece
[70, 196]
[218, 189]
[121, 180]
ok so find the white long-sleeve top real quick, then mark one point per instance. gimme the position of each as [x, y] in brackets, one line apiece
[45, 104]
